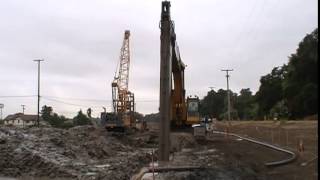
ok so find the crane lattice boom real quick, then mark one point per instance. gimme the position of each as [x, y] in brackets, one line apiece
[123, 99]
[123, 76]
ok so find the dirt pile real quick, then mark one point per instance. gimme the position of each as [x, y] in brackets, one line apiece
[78, 153]
[181, 140]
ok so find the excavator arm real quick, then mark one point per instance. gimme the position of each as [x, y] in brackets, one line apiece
[178, 103]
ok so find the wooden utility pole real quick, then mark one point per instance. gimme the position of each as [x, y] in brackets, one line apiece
[38, 110]
[1, 107]
[23, 108]
[228, 92]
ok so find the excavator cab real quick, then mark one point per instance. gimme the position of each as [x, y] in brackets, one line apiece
[193, 115]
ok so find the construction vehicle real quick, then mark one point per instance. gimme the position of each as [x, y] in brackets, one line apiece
[184, 112]
[193, 115]
[123, 104]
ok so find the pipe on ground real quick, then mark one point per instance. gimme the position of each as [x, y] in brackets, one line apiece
[274, 163]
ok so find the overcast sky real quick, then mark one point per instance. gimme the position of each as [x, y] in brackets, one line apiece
[80, 42]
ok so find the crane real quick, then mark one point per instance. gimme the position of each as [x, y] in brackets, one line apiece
[122, 99]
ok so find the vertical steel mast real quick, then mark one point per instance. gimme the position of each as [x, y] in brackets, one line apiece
[165, 81]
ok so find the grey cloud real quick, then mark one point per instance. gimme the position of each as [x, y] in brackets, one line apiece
[80, 42]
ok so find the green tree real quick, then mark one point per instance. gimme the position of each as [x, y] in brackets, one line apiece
[279, 110]
[46, 113]
[54, 119]
[301, 81]
[270, 91]
[214, 103]
[81, 119]
[244, 104]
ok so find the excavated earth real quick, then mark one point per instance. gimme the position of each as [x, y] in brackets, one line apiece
[78, 153]
[86, 152]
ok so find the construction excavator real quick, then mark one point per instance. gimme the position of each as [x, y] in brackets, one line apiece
[184, 111]
[122, 117]
[176, 112]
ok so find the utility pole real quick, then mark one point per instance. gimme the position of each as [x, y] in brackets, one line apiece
[38, 117]
[228, 92]
[23, 108]
[1, 107]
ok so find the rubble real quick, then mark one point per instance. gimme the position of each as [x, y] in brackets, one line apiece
[78, 153]
[86, 152]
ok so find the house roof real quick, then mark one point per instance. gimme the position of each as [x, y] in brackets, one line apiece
[25, 117]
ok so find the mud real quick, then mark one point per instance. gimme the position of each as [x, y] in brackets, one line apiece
[78, 153]
[86, 152]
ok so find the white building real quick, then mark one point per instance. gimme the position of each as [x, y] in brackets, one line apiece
[20, 120]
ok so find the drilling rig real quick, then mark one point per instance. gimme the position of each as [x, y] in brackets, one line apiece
[123, 102]
[175, 110]
[183, 111]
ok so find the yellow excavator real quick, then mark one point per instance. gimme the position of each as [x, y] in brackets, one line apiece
[184, 111]
[175, 109]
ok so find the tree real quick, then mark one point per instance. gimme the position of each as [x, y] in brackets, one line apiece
[292, 90]
[54, 119]
[301, 81]
[244, 104]
[270, 91]
[81, 119]
[46, 113]
[279, 110]
[214, 103]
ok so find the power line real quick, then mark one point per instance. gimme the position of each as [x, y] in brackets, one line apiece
[242, 31]
[78, 99]
[95, 100]
[23, 96]
[67, 103]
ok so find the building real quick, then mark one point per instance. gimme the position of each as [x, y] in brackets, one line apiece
[20, 120]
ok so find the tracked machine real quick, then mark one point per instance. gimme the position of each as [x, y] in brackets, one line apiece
[176, 112]
[123, 103]
[184, 112]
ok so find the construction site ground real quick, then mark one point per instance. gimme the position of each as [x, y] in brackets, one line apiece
[233, 158]
[86, 152]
